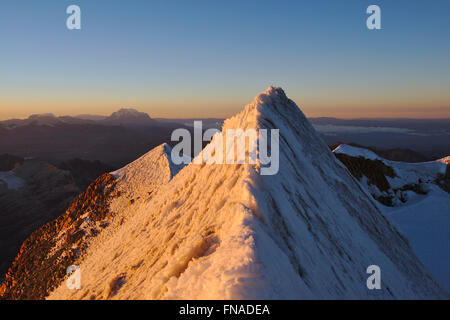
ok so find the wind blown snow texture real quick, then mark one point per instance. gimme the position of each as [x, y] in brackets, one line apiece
[226, 232]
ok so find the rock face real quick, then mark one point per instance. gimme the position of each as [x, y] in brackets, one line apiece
[43, 258]
[374, 170]
[44, 192]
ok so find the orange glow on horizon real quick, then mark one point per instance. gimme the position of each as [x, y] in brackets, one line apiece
[218, 108]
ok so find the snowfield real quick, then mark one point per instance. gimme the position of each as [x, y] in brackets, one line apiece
[423, 218]
[356, 152]
[226, 232]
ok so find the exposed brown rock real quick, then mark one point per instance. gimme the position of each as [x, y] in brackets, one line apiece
[46, 193]
[375, 170]
[37, 269]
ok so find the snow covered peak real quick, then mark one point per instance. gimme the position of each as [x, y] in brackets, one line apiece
[44, 119]
[275, 91]
[127, 112]
[221, 231]
[149, 171]
[42, 115]
[128, 116]
[265, 111]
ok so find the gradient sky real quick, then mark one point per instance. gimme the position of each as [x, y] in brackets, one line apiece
[210, 58]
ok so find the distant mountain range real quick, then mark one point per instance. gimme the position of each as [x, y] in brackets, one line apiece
[128, 133]
[116, 140]
[126, 117]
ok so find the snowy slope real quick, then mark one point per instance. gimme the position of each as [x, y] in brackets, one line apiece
[134, 184]
[227, 232]
[149, 171]
[423, 217]
[425, 220]
[137, 181]
[356, 152]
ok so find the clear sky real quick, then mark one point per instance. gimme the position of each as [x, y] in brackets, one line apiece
[209, 58]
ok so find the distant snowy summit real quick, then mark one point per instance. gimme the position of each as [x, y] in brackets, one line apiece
[128, 116]
[45, 119]
[122, 117]
[217, 231]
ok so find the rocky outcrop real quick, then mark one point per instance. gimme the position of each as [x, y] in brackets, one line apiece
[44, 257]
[375, 170]
[45, 194]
